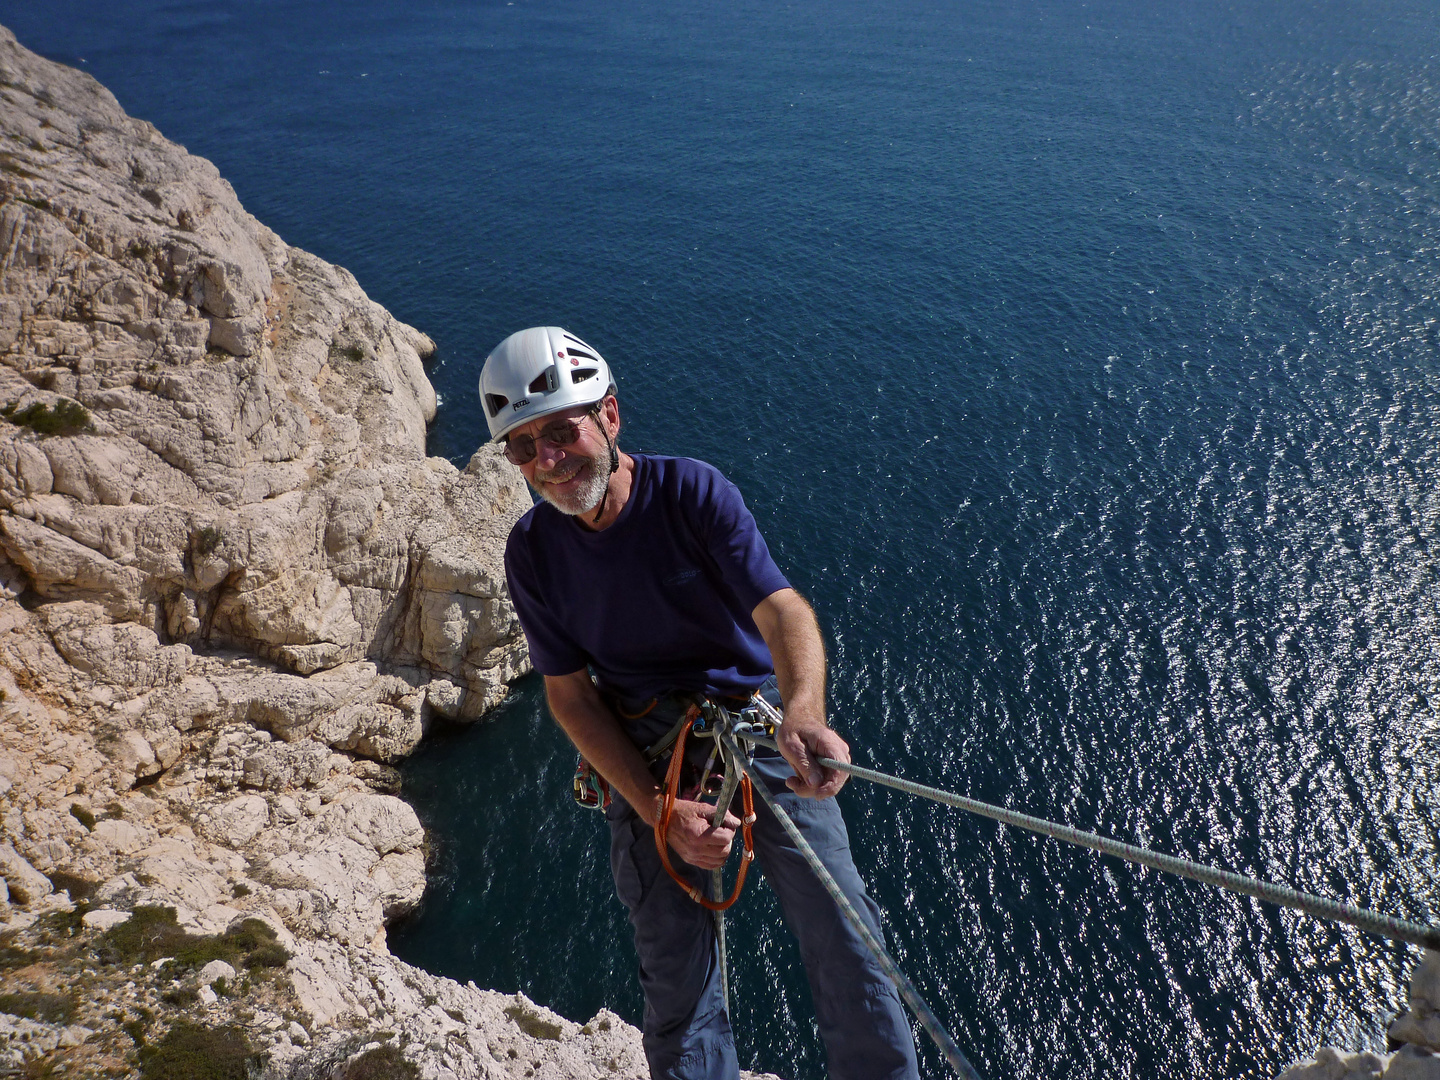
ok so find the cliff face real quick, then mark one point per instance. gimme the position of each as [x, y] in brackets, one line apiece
[232, 589]
[220, 438]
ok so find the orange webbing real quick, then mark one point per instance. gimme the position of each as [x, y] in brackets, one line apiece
[667, 809]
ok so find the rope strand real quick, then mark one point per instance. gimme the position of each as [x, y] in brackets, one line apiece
[928, 1021]
[1318, 906]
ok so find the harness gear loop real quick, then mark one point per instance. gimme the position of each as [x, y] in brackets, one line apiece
[590, 789]
[667, 810]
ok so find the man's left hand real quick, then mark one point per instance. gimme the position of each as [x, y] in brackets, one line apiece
[801, 745]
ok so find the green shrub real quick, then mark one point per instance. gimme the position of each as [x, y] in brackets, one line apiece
[191, 1052]
[84, 816]
[152, 933]
[382, 1063]
[208, 539]
[182, 997]
[533, 1024]
[49, 1008]
[66, 418]
[62, 924]
[270, 955]
[353, 353]
[79, 888]
[12, 956]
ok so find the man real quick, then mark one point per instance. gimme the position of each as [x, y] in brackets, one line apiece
[641, 580]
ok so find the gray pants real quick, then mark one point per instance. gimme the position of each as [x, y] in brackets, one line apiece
[687, 1033]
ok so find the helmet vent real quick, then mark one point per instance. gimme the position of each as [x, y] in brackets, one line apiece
[581, 352]
[579, 375]
[542, 382]
[496, 402]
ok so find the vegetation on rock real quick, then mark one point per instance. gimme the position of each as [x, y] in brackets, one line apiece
[533, 1024]
[191, 1052]
[50, 1008]
[66, 418]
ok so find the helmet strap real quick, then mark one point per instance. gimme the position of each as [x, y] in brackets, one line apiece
[614, 465]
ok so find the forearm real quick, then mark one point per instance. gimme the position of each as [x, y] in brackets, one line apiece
[592, 727]
[788, 626]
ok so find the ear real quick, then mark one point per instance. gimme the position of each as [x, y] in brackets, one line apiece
[610, 411]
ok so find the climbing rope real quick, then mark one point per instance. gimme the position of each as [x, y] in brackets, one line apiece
[1318, 906]
[667, 809]
[912, 997]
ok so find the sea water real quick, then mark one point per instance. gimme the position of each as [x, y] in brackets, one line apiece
[1079, 362]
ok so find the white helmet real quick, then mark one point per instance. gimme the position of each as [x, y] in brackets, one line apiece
[537, 372]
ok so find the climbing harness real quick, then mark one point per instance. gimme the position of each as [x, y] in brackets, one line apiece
[591, 790]
[703, 720]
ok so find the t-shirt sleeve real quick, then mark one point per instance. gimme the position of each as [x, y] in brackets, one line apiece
[552, 651]
[734, 542]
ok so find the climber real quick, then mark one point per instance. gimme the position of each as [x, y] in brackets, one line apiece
[639, 581]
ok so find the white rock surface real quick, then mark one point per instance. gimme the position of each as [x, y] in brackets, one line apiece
[1416, 1031]
[214, 970]
[247, 470]
[1328, 1064]
[105, 918]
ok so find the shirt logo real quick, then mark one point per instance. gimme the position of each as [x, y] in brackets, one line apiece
[682, 577]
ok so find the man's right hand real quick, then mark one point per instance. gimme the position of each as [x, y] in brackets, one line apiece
[695, 840]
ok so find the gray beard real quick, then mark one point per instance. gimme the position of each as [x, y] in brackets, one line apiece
[587, 496]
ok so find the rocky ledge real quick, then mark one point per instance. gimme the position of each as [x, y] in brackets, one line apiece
[233, 592]
[1414, 1038]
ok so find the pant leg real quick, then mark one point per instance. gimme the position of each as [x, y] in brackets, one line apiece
[865, 1028]
[686, 1029]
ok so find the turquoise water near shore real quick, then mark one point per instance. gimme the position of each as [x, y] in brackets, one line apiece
[1078, 360]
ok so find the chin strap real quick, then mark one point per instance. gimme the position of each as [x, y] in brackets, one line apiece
[614, 467]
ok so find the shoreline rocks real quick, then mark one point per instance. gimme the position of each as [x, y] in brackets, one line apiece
[1414, 1038]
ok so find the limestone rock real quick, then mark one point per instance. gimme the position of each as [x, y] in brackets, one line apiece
[1421, 1027]
[212, 435]
[1413, 1063]
[239, 821]
[381, 822]
[26, 884]
[215, 969]
[1331, 1065]
[1425, 983]
[105, 918]
[245, 590]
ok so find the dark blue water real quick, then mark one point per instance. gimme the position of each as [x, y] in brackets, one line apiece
[1079, 362]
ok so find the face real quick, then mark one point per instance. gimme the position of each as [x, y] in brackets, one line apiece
[573, 478]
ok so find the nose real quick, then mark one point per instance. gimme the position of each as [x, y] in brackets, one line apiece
[547, 455]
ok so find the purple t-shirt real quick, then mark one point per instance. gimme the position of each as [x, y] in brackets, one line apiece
[661, 600]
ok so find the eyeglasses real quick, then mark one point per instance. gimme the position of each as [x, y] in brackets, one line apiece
[520, 449]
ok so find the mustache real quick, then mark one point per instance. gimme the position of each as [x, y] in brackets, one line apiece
[564, 472]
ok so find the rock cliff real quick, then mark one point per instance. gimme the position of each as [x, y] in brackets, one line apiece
[233, 591]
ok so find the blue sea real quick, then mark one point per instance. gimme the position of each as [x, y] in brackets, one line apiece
[1080, 362]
